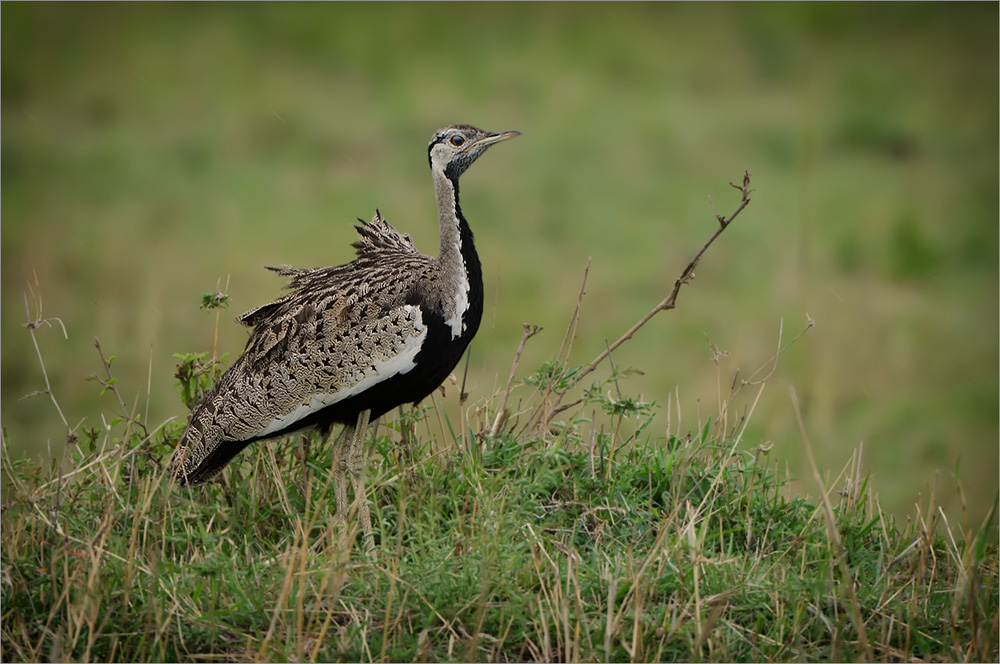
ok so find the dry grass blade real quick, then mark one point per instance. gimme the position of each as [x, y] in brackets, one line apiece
[847, 581]
[32, 324]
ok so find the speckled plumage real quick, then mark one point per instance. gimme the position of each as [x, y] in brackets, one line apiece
[350, 341]
[323, 337]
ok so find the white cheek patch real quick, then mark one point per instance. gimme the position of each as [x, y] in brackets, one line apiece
[378, 371]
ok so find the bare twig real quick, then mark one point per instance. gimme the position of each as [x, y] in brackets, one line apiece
[567, 342]
[112, 384]
[528, 332]
[755, 378]
[32, 324]
[670, 301]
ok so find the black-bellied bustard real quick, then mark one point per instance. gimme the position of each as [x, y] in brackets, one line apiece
[348, 343]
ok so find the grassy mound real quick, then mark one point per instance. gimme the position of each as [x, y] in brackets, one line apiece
[586, 539]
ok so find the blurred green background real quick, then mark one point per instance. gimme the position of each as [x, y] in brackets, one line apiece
[151, 151]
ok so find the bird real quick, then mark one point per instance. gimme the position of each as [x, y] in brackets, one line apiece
[348, 343]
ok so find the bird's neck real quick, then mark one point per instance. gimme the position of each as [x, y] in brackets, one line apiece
[463, 279]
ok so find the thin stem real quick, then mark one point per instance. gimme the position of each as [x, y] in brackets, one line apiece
[527, 332]
[31, 325]
[670, 301]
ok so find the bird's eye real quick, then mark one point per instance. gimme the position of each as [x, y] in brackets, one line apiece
[458, 140]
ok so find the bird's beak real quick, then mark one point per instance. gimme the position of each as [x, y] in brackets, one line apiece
[489, 140]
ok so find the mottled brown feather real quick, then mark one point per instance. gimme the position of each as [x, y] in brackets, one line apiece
[322, 336]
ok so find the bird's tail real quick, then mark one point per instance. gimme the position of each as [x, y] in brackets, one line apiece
[201, 457]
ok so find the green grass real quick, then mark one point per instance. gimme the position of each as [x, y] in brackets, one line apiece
[561, 540]
[153, 151]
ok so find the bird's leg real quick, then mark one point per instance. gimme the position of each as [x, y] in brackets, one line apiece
[356, 467]
[304, 445]
[341, 452]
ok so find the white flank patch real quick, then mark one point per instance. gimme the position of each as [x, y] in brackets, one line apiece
[445, 191]
[456, 322]
[399, 364]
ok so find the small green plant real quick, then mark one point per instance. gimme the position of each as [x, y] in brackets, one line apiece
[552, 376]
[196, 373]
[215, 300]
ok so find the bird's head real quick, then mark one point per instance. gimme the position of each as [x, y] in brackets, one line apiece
[454, 148]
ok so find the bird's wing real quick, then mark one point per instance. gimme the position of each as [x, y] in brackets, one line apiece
[379, 244]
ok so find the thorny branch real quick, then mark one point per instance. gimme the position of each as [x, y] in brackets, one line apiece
[670, 301]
